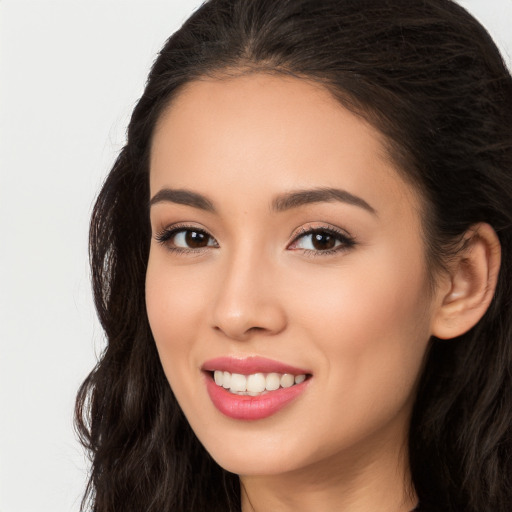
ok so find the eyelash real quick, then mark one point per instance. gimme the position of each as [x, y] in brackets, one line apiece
[346, 241]
[164, 237]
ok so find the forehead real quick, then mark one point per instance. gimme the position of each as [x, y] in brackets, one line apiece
[261, 133]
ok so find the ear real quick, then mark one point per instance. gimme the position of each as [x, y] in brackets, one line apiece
[470, 283]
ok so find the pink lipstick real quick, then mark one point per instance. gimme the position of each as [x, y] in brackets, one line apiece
[253, 388]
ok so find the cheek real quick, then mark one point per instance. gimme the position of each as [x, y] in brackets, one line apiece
[371, 325]
[175, 297]
[175, 300]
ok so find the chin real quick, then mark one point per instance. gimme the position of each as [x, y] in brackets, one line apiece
[247, 463]
[258, 452]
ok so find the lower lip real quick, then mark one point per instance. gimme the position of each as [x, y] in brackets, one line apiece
[245, 407]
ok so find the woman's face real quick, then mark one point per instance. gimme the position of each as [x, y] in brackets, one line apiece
[284, 242]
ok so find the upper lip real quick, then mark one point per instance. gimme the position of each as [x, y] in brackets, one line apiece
[250, 365]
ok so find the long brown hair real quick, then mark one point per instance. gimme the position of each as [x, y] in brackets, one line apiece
[429, 77]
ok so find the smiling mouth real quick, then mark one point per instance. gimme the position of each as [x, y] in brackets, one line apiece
[255, 384]
[253, 387]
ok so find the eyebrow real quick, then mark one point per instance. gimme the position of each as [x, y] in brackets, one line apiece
[181, 196]
[281, 203]
[318, 195]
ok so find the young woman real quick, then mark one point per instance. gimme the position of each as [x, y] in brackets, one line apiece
[302, 263]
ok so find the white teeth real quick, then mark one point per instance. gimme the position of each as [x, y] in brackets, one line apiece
[256, 383]
[226, 380]
[273, 381]
[287, 380]
[299, 379]
[238, 382]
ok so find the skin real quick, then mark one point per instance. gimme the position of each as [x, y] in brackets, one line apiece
[359, 319]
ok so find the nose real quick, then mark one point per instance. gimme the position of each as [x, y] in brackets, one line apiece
[247, 303]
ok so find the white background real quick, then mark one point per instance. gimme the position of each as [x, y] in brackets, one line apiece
[70, 74]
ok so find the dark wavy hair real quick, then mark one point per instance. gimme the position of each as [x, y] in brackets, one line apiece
[429, 77]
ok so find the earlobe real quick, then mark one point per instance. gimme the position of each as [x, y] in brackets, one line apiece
[473, 276]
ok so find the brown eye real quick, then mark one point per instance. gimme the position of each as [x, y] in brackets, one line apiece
[196, 239]
[322, 241]
[319, 240]
[185, 239]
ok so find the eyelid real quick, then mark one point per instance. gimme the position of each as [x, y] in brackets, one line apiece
[310, 227]
[347, 240]
[164, 235]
